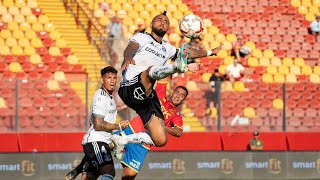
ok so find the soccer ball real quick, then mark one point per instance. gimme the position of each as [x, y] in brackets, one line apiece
[191, 26]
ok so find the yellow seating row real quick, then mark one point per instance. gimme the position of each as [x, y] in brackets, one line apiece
[291, 78]
[20, 3]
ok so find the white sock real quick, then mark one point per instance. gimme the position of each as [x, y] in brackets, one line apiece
[160, 72]
[107, 177]
[140, 138]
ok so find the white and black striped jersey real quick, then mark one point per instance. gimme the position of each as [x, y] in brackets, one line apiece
[102, 105]
[150, 53]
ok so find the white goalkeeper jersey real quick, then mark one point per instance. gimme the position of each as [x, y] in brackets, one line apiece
[150, 53]
[102, 105]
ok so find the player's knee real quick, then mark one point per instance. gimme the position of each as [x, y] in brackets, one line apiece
[159, 142]
[129, 175]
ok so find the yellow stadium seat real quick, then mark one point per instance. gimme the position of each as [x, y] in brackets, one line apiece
[249, 112]
[228, 60]
[296, 3]
[253, 62]
[231, 38]
[222, 69]
[257, 53]
[55, 35]
[287, 62]
[32, 4]
[177, 15]
[268, 53]
[3, 103]
[23, 42]
[3, 10]
[238, 86]
[25, 26]
[48, 27]
[171, 8]
[43, 19]
[306, 3]
[59, 76]
[226, 86]
[31, 19]
[295, 70]
[13, 10]
[250, 45]
[267, 78]
[166, 2]
[154, 2]
[4, 50]
[275, 61]
[61, 43]
[5, 33]
[7, 3]
[302, 10]
[54, 51]
[226, 45]
[13, 26]
[144, 14]
[192, 86]
[174, 37]
[72, 59]
[29, 50]
[220, 38]
[30, 34]
[291, 78]
[10, 42]
[104, 21]
[279, 78]
[316, 70]
[1, 42]
[36, 42]
[310, 16]
[206, 77]
[214, 30]
[160, 8]
[17, 50]
[99, 13]
[53, 85]
[139, 21]
[306, 70]
[314, 10]
[15, 67]
[272, 70]
[19, 18]
[35, 59]
[222, 53]
[37, 27]
[138, 7]
[122, 14]
[133, 14]
[299, 61]
[277, 103]
[264, 61]
[20, 3]
[128, 7]
[6, 18]
[207, 23]
[208, 37]
[314, 78]
[25, 11]
[283, 69]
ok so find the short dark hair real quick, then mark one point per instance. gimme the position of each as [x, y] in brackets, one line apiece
[164, 13]
[108, 69]
[184, 88]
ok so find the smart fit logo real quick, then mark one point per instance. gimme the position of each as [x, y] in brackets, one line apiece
[226, 166]
[274, 166]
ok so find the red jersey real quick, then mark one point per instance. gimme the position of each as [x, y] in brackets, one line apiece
[172, 118]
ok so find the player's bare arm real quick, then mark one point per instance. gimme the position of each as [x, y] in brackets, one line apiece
[100, 125]
[174, 131]
[198, 53]
[128, 54]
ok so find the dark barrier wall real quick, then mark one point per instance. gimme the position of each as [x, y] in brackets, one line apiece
[174, 165]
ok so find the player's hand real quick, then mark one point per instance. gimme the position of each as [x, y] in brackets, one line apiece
[194, 67]
[126, 63]
[124, 124]
[217, 49]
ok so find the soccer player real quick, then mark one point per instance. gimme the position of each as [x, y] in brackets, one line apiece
[146, 59]
[97, 139]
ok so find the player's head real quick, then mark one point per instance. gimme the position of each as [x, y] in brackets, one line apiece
[178, 95]
[160, 24]
[256, 134]
[109, 78]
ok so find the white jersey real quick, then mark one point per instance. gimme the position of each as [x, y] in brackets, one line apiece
[150, 53]
[102, 105]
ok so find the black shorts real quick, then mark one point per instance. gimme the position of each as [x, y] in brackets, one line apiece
[133, 94]
[97, 154]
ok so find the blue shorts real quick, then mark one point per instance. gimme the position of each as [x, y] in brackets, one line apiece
[134, 153]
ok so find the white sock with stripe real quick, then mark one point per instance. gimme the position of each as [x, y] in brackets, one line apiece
[160, 72]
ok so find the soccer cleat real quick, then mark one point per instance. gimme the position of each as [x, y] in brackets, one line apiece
[119, 143]
[181, 62]
[71, 175]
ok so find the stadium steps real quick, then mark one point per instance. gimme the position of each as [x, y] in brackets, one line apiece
[75, 37]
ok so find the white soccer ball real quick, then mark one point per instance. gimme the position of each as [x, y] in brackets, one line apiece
[191, 26]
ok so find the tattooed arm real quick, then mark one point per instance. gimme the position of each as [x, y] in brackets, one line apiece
[129, 53]
[198, 53]
[100, 125]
